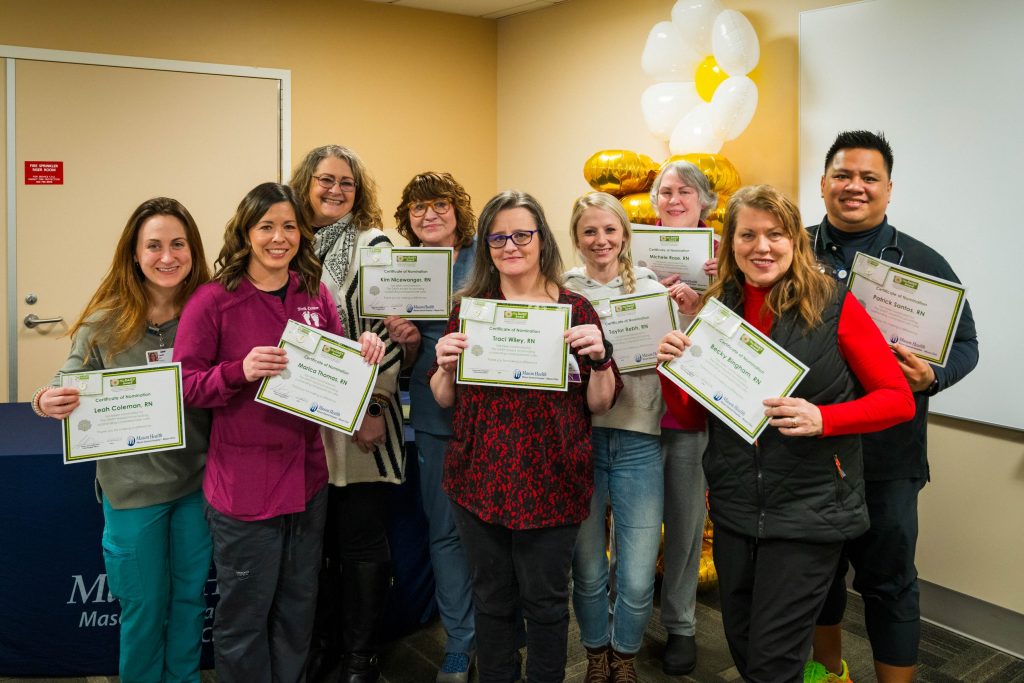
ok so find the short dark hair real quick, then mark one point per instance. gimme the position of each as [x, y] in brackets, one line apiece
[861, 139]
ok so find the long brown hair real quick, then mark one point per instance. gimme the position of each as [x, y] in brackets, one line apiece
[234, 256]
[803, 288]
[606, 202]
[117, 312]
[485, 279]
[431, 185]
[366, 210]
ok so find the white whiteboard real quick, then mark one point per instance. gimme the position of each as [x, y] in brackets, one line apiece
[944, 80]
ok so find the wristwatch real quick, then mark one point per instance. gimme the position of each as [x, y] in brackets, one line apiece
[376, 407]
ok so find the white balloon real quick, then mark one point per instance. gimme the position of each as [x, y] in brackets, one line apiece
[665, 104]
[696, 133]
[666, 57]
[694, 19]
[733, 105]
[734, 43]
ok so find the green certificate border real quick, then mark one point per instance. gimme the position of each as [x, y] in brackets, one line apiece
[367, 390]
[636, 297]
[658, 229]
[410, 250]
[104, 374]
[562, 386]
[712, 405]
[958, 308]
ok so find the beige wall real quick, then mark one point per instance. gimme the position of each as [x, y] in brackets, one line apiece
[408, 90]
[569, 84]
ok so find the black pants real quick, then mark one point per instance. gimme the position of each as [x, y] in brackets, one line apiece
[513, 569]
[886, 577]
[356, 529]
[266, 576]
[772, 591]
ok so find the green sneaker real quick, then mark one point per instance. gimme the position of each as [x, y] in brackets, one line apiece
[815, 672]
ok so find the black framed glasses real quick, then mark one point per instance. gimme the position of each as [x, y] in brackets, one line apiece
[329, 181]
[440, 207]
[520, 238]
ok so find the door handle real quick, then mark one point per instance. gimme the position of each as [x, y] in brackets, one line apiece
[31, 320]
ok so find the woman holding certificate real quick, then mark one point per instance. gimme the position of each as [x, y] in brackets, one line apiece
[627, 461]
[156, 545]
[683, 198]
[338, 197]
[783, 506]
[435, 211]
[518, 465]
[266, 473]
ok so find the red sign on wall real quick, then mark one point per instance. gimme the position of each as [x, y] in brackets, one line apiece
[44, 172]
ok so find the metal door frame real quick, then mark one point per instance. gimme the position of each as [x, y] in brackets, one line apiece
[13, 53]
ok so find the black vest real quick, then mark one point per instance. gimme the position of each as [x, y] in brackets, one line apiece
[797, 488]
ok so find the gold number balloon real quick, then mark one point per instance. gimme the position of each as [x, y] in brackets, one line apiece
[638, 208]
[619, 171]
[720, 172]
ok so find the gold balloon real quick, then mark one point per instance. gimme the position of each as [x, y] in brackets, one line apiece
[721, 174]
[638, 208]
[619, 171]
[716, 218]
[708, 77]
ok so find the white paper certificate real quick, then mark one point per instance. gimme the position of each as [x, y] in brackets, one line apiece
[674, 251]
[415, 283]
[731, 368]
[326, 380]
[124, 411]
[635, 324]
[514, 344]
[914, 309]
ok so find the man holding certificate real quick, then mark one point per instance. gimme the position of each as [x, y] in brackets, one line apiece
[784, 504]
[518, 466]
[857, 187]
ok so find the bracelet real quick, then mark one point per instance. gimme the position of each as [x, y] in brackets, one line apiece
[35, 402]
[600, 363]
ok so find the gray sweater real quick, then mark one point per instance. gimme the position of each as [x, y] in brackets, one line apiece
[143, 479]
[639, 407]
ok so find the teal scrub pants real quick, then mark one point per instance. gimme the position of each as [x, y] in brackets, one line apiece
[158, 560]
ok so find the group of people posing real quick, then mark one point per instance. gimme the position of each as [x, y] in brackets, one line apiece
[515, 482]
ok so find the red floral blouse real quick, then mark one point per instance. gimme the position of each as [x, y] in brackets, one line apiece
[522, 458]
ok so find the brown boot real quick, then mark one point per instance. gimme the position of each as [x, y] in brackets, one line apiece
[622, 668]
[597, 665]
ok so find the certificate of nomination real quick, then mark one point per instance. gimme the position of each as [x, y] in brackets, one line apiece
[415, 283]
[635, 324]
[674, 251]
[731, 368]
[911, 308]
[514, 344]
[124, 411]
[326, 380]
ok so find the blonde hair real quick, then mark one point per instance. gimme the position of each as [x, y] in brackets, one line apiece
[803, 288]
[606, 202]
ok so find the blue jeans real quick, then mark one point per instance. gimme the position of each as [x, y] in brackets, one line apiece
[627, 473]
[158, 559]
[448, 557]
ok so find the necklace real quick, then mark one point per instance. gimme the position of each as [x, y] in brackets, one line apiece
[158, 331]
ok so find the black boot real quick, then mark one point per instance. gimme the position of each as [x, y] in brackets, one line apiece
[325, 647]
[364, 587]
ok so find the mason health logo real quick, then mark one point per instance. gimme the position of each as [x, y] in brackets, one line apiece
[895, 339]
[314, 407]
[718, 396]
[131, 441]
[518, 374]
[638, 357]
[410, 308]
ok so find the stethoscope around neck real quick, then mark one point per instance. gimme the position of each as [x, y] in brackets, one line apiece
[893, 248]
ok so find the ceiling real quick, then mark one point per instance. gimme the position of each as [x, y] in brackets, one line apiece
[484, 9]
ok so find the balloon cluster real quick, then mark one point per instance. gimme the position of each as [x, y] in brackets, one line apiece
[629, 176]
[701, 60]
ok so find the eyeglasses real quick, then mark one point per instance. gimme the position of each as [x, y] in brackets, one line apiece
[440, 207]
[329, 181]
[520, 238]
